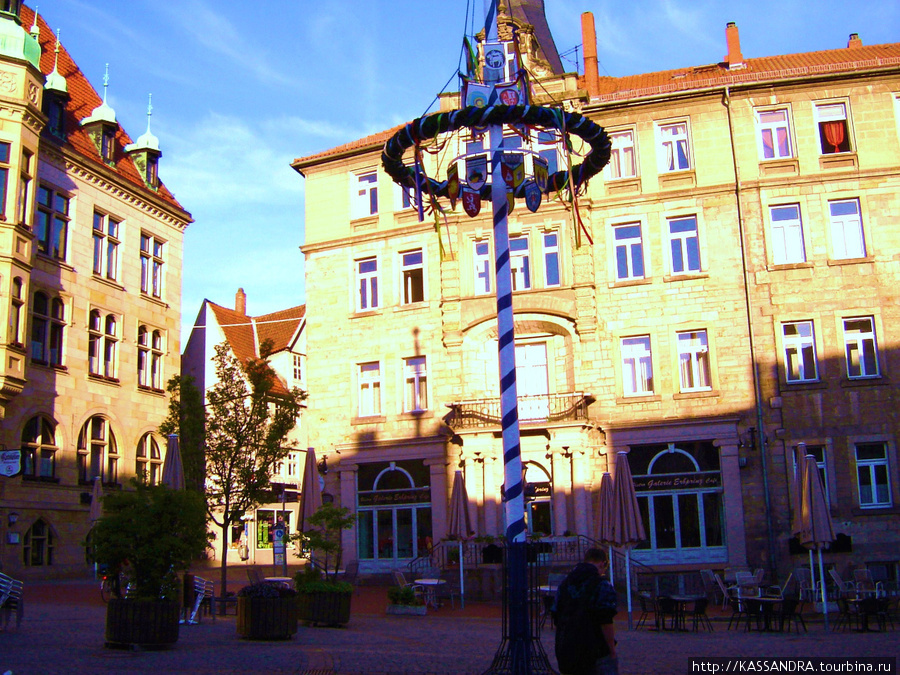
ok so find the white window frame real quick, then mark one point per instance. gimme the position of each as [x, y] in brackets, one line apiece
[860, 348]
[367, 295]
[415, 384]
[768, 125]
[550, 241]
[102, 344]
[834, 111]
[364, 194]
[870, 468]
[672, 136]
[483, 265]
[637, 365]
[152, 261]
[520, 263]
[627, 248]
[297, 368]
[799, 351]
[815, 449]
[623, 158]
[150, 358]
[694, 368]
[787, 234]
[848, 239]
[368, 377]
[683, 242]
[106, 246]
[412, 276]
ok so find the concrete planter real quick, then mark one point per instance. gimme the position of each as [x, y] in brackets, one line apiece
[147, 624]
[266, 618]
[324, 608]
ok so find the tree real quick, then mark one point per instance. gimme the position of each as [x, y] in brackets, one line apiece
[187, 418]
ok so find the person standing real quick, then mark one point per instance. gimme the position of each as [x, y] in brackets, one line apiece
[583, 611]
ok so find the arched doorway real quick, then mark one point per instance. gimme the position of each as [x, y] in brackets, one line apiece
[538, 493]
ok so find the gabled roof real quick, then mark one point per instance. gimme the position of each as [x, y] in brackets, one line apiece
[83, 99]
[857, 59]
[280, 327]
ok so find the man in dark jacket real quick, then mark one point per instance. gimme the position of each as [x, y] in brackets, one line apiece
[584, 610]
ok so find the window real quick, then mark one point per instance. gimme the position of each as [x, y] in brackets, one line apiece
[818, 452]
[151, 173]
[548, 149]
[106, 246]
[47, 330]
[151, 265]
[637, 366]
[56, 123]
[482, 267]
[693, 360]
[37, 548]
[148, 464]
[873, 475]
[367, 284]
[98, 454]
[799, 344]
[774, 134]
[787, 235]
[519, 263]
[108, 144]
[415, 395]
[39, 448]
[102, 343]
[834, 133]
[675, 154]
[369, 376]
[861, 347]
[149, 358]
[551, 259]
[847, 239]
[685, 245]
[622, 160]
[15, 312]
[629, 252]
[52, 223]
[364, 201]
[412, 276]
[24, 188]
[4, 174]
[297, 364]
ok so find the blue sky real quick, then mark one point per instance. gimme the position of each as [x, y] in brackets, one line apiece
[238, 93]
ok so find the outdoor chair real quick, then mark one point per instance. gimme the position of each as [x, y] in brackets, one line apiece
[203, 600]
[351, 574]
[746, 585]
[848, 615]
[254, 576]
[723, 589]
[791, 612]
[737, 612]
[11, 600]
[648, 611]
[710, 588]
[449, 590]
[698, 615]
[401, 581]
[667, 607]
[846, 589]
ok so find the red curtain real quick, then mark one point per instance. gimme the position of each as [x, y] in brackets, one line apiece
[834, 134]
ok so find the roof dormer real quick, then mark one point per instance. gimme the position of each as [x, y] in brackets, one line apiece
[101, 126]
[145, 152]
[56, 94]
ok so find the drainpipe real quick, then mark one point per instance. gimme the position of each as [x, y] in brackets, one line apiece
[757, 391]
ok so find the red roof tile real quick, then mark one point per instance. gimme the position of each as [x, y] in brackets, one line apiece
[82, 101]
[279, 327]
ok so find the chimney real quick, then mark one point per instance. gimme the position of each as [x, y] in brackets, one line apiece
[854, 41]
[240, 302]
[733, 58]
[589, 42]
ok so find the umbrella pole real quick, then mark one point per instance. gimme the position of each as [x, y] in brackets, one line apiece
[462, 582]
[812, 573]
[824, 593]
[612, 566]
[628, 584]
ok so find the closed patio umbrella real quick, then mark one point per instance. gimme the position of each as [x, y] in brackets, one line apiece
[459, 525]
[628, 528]
[173, 468]
[796, 520]
[604, 517]
[310, 490]
[816, 528]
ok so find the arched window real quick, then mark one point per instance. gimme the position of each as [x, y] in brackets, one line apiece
[38, 546]
[102, 345]
[39, 448]
[149, 464]
[98, 454]
[47, 330]
[149, 358]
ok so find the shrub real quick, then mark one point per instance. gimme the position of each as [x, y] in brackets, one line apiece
[403, 596]
[266, 589]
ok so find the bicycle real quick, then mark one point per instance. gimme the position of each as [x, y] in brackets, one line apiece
[111, 586]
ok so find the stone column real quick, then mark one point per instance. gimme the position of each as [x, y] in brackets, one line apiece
[581, 490]
[348, 499]
[439, 497]
[733, 504]
[561, 486]
[491, 496]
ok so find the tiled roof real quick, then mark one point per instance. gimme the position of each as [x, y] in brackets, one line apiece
[245, 333]
[757, 70]
[82, 101]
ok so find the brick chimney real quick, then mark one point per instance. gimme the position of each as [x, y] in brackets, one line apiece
[240, 302]
[854, 41]
[589, 43]
[733, 58]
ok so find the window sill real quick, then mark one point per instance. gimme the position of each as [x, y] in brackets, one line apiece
[876, 510]
[782, 267]
[678, 179]
[416, 415]
[154, 299]
[44, 364]
[626, 283]
[40, 479]
[638, 398]
[16, 347]
[411, 306]
[704, 393]
[55, 261]
[839, 160]
[150, 390]
[103, 378]
[686, 276]
[804, 385]
[789, 166]
[850, 261]
[366, 312]
[873, 381]
[109, 282]
[371, 419]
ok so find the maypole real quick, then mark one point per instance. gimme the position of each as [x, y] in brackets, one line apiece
[488, 106]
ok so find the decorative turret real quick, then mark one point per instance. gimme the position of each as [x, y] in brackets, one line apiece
[145, 152]
[56, 94]
[101, 126]
[15, 41]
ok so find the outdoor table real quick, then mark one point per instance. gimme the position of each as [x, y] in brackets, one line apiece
[681, 603]
[284, 581]
[766, 610]
[865, 607]
[431, 586]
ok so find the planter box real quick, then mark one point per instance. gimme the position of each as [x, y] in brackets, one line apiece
[413, 610]
[325, 609]
[148, 624]
[266, 618]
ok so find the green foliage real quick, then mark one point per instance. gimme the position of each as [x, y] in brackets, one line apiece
[266, 589]
[187, 418]
[403, 595]
[151, 533]
[309, 580]
[323, 534]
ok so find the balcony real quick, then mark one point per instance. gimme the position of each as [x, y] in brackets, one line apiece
[537, 410]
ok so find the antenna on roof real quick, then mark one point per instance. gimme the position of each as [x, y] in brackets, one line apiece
[105, 83]
[35, 29]
[149, 110]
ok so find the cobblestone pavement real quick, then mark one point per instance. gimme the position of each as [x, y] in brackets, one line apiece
[59, 637]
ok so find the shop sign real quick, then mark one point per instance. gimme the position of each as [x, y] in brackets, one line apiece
[391, 497]
[10, 462]
[678, 481]
[537, 490]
